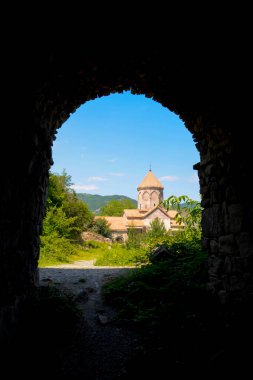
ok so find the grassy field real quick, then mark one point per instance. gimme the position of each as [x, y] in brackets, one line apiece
[105, 255]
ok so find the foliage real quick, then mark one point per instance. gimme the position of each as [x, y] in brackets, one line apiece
[113, 254]
[116, 207]
[183, 325]
[56, 250]
[102, 227]
[65, 212]
[148, 292]
[184, 242]
[134, 238]
[190, 212]
[146, 296]
[156, 231]
[66, 217]
[74, 208]
[118, 255]
[58, 189]
[57, 223]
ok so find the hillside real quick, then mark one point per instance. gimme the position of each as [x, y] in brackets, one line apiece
[95, 202]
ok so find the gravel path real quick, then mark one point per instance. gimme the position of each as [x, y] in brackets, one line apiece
[109, 346]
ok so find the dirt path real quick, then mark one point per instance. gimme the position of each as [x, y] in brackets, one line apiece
[109, 346]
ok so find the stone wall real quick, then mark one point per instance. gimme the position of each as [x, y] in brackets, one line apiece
[149, 198]
[119, 236]
[228, 216]
[57, 86]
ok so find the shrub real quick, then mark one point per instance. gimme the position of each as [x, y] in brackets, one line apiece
[148, 295]
[55, 249]
[134, 238]
[102, 227]
[117, 254]
[189, 211]
[57, 223]
[156, 229]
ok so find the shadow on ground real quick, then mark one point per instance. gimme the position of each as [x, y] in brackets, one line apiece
[61, 335]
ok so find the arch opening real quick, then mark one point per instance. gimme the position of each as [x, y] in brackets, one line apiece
[134, 117]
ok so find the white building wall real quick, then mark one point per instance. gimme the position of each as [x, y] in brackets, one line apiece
[160, 215]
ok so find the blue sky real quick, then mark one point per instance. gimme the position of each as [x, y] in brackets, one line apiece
[108, 144]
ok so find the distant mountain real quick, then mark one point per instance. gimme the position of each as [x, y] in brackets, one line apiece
[95, 202]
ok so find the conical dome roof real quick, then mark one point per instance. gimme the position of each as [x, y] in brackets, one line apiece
[150, 180]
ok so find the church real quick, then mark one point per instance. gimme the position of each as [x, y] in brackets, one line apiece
[150, 198]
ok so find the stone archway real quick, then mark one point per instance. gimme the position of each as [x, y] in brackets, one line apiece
[59, 87]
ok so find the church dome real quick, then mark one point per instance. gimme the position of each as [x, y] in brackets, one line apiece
[150, 180]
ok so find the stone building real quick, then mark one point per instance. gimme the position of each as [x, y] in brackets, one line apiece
[150, 198]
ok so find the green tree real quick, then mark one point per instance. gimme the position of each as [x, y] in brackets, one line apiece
[58, 189]
[156, 233]
[102, 227]
[156, 229]
[134, 238]
[65, 219]
[116, 207]
[74, 207]
[56, 222]
[189, 211]
[66, 214]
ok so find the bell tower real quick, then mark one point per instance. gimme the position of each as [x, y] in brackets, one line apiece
[150, 192]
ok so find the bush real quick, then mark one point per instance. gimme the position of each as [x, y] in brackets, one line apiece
[102, 227]
[134, 239]
[55, 249]
[148, 295]
[66, 214]
[156, 229]
[74, 207]
[189, 211]
[184, 242]
[57, 223]
[118, 254]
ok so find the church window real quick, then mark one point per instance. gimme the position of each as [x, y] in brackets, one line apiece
[145, 196]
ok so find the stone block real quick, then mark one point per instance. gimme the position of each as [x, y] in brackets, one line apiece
[215, 265]
[230, 194]
[225, 282]
[236, 283]
[223, 296]
[248, 264]
[237, 265]
[235, 215]
[227, 245]
[212, 221]
[227, 265]
[214, 246]
[215, 193]
[210, 170]
[245, 243]
[206, 203]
